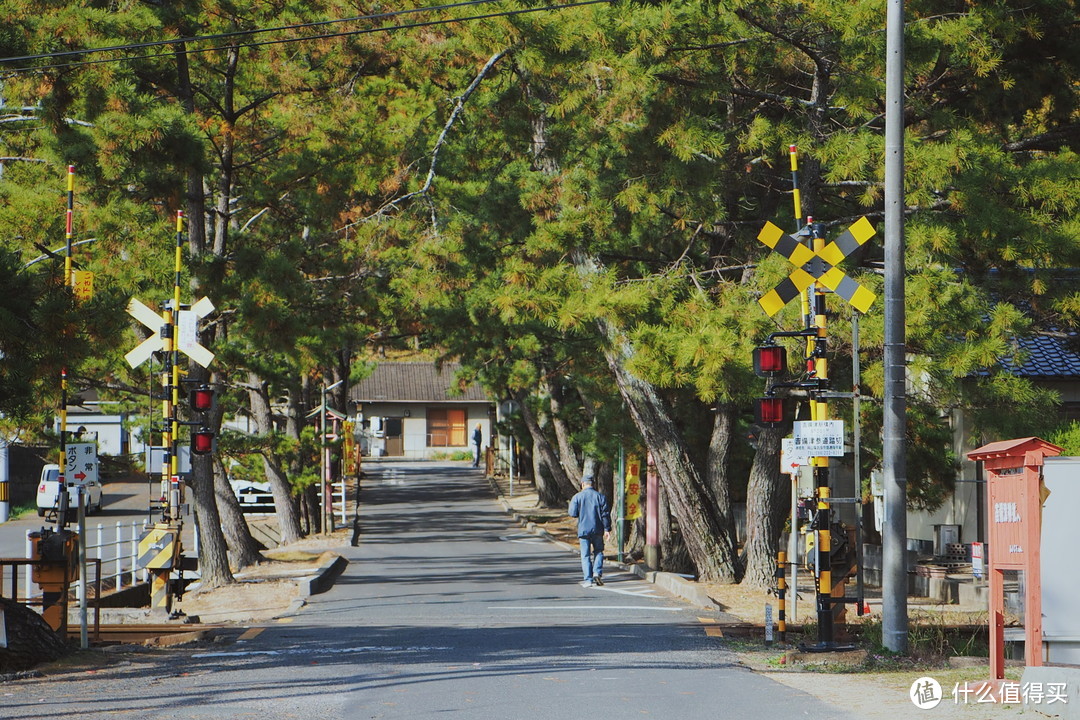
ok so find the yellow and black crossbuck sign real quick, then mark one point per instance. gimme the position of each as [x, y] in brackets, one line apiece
[812, 266]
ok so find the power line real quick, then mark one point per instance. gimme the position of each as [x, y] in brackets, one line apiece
[322, 36]
[238, 33]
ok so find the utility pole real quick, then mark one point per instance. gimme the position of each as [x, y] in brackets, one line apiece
[894, 617]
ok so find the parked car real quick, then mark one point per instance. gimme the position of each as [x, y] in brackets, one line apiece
[254, 497]
[48, 494]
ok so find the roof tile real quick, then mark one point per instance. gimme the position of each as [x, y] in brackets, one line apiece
[1046, 357]
[415, 382]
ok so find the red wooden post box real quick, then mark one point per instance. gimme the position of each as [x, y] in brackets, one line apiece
[1014, 513]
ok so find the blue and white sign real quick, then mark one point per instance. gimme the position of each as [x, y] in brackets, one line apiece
[819, 438]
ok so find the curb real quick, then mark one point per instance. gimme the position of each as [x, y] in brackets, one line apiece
[323, 579]
[677, 585]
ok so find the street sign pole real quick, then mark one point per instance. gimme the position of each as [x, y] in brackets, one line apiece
[791, 465]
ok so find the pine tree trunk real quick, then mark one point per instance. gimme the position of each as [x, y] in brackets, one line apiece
[30, 640]
[673, 555]
[558, 489]
[308, 502]
[635, 539]
[709, 546]
[213, 551]
[766, 505]
[213, 554]
[567, 456]
[718, 468]
[309, 510]
[287, 514]
[244, 547]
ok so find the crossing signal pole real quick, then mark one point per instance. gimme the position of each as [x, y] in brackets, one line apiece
[816, 275]
[63, 501]
[174, 331]
[59, 546]
[819, 406]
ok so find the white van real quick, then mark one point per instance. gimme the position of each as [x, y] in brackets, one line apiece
[48, 494]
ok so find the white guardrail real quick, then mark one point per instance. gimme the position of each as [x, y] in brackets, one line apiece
[118, 548]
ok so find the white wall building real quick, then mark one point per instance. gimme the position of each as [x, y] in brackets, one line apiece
[414, 410]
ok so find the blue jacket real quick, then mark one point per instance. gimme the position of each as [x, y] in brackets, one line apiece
[591, 509]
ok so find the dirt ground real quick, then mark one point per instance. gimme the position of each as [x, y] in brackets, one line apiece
[261, 593]
[264, 591]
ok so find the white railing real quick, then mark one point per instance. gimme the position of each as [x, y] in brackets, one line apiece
[117, 548]
[118, 554]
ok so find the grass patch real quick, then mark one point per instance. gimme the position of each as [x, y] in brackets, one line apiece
[456, 455]
[19, 511]
[933, 638]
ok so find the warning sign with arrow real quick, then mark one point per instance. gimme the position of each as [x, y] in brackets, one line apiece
[81, 462]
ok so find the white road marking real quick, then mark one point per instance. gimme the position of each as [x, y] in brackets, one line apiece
[319, 651]
[583, 607]
[391, 476]
[524, 538]
[640, 592]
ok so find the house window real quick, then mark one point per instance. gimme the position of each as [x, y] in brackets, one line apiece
[446, 427]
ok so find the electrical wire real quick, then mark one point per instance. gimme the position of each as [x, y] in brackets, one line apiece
[240, 33]
[322, 36]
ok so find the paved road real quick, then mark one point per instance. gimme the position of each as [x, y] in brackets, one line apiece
[447, 609]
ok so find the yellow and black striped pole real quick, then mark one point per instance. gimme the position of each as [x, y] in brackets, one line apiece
[175, 489]
[62, 497]
[815, 275]
[69, 225]
[819, 410]
[796, 199]
[793, 153]
[160, 547]
[781, 594]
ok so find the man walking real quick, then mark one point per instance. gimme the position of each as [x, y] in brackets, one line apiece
[477, 440]
[594, 525]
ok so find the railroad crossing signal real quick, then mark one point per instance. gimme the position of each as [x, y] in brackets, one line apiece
[816, 266]
[187, 323]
